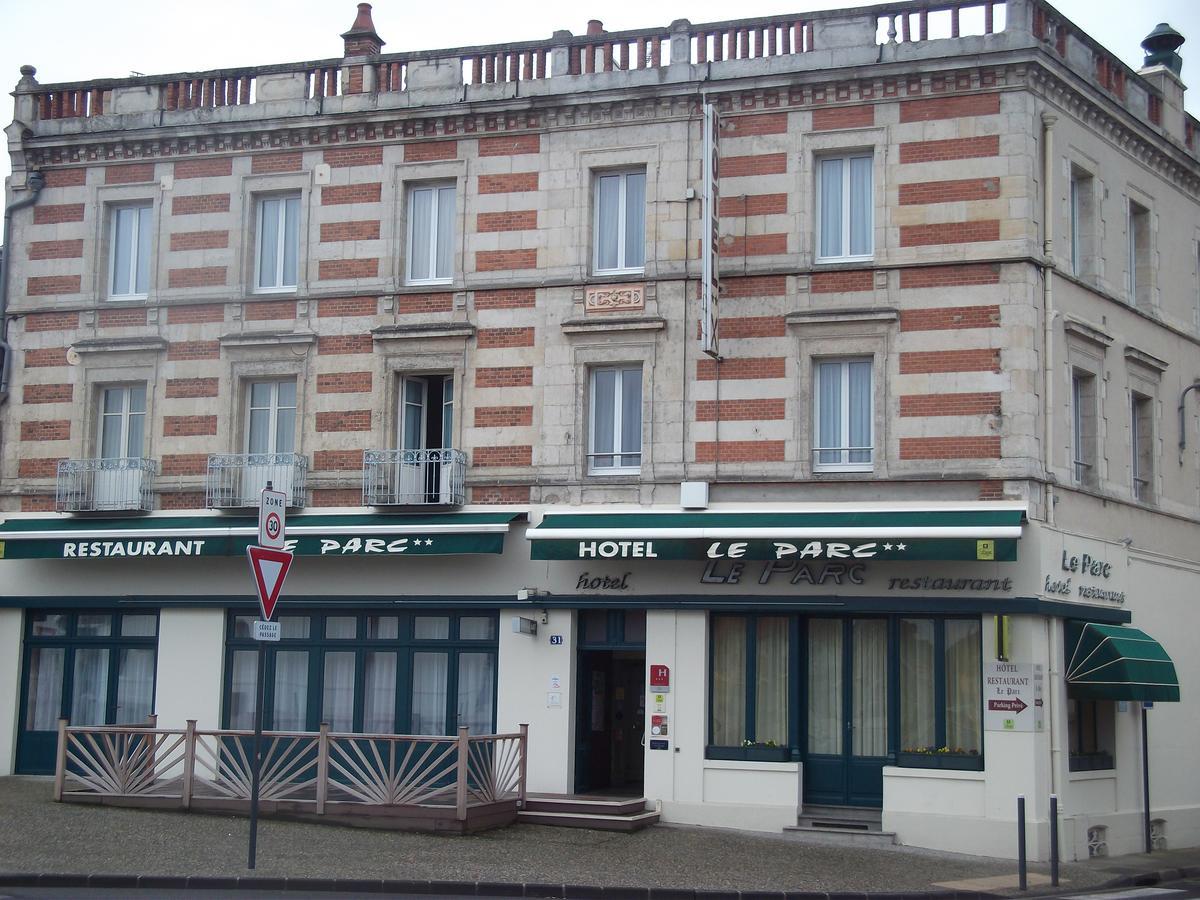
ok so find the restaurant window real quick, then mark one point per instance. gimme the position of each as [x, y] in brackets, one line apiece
[750, 682]
[372, 673]
[940, 688]
[1091, 728]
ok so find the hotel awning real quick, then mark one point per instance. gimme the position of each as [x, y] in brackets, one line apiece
[432, 534]
[983, 531]
[1117, 662]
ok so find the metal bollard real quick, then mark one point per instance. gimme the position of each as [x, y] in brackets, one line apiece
[1054, 840]
[1022, 865]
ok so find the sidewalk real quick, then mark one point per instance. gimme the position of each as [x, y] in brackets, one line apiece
[61, 844]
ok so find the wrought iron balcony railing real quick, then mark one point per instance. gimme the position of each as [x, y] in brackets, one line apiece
[235, 480]
[414, 477]
[105, 485]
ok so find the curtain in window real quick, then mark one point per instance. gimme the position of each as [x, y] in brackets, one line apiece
[131, 234]
[444, 265]
[829, 423]
[476, 680]
[635, 220]
[291, 241]
[89, 690]
[869, 664]
[112, 418]
[285, 417]
[831, 207]
[135, 625]
[860, 206]
[341, 627]
[631, 417]
[608, 206]
[135, 685]
[43, 699]
[604, 400]
[243, 681]
[964, 697]
[429, 694]
[291, 690]
[729, 681]
[259, 440]
[860, 410]
[917, 724]
[337, 691]
[379, 692]
[268, 243]
[771, 675]
[824, 686]
[421, 238]
[431, 628]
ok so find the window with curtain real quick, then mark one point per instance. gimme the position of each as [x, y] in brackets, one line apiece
[129, 237]
[430, 234]
[271, 417]
[1091, 730]
[750, 681]
[620, 221]
[843, 415]
[277, 243]
[941, 690]
[845, 207]
[616, 420]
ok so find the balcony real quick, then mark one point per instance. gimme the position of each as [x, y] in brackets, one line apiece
[414, 477]
[122, 484]
[235, 480]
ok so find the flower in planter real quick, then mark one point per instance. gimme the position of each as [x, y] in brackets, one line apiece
[749, 743]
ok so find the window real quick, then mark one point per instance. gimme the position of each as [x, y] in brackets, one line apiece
[620, 226]
[843, 416]
[373, 673]
[750, 680]
[129, 237]
[940, 686]
[1141, 446]
[271, 417]
[278, 246]
[616, 421]
[1082, 219]
[122, 421]
[1091, 727]
[430, 234]
[1083, 428]
[845, 207]
[425, 470]
[1139, 255]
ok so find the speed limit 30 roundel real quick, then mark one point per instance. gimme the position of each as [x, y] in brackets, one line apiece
[273, 525]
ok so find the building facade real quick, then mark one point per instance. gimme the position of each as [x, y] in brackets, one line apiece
[884, 543]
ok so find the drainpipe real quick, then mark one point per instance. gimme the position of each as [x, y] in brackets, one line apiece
[36, 183]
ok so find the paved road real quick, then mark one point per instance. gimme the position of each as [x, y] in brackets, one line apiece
[1176, 890]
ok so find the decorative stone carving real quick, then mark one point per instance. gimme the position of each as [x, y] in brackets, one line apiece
[614, 298]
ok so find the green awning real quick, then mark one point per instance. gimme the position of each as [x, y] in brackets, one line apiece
[982, 531]
[1117, 662]
[369, 535]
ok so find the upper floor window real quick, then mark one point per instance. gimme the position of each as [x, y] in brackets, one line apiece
[616, 423]
[845, 207]
[430, 234]
[130, 231]
[122, 421]
[278, 248]
[1083, 427]
[1139, 255]
[271, 417]
[843, 416]
[1082, 221]
[1141, 446]
[620, 226]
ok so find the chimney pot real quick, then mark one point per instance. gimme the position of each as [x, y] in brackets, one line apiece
[595, 28]
[362, 39]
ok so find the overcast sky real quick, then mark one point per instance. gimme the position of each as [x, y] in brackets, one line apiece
[71, 40]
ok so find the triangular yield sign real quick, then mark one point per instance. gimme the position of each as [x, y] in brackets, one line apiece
[270, 567]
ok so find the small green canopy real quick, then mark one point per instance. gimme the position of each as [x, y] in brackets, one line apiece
[1117, 662]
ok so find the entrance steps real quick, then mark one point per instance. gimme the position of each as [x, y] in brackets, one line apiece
[587, 811]
[848, 826]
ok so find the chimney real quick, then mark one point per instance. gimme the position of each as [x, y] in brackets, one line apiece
[1161, 71]
[361, 39]
[595, 28]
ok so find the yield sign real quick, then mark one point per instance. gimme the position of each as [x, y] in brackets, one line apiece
[270, 567]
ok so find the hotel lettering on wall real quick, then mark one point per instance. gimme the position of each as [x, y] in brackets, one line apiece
[1096, 573]
[915, 549]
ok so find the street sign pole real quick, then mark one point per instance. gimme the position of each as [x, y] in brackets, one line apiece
[256, 768]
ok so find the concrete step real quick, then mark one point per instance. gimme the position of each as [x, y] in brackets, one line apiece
[843, 837]
[611, 806]
[849, 818]
[598, 821]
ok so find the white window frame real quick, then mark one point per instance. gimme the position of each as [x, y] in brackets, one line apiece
[277, 285]
[133, 263]
[1141, 483]
[274, 406]
[846, 211]
[123, 418]
[844, 464]
[434, 230]
[622, 267]
[1083, 444]
[618, 424]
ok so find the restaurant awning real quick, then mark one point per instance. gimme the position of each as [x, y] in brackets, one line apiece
[1117, 662]
[431, 534]
[982, 531]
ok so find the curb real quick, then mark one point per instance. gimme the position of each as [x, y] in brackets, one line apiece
[468, 888]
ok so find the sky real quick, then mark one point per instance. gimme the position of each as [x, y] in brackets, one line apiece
[87, 39]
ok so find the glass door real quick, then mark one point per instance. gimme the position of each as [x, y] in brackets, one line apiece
[847, 680]
[122, 436]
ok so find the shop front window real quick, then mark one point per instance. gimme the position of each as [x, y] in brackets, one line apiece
[940, 691]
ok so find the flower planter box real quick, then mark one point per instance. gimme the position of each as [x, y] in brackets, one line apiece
[749, 754]
[967, 762]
